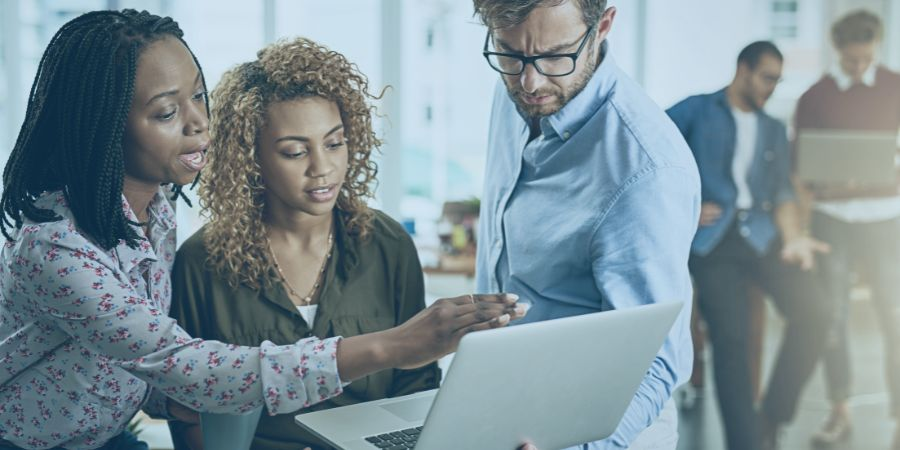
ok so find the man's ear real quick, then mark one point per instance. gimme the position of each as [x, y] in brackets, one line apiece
[604, 25]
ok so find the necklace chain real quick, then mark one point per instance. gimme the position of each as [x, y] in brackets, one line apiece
[293, 292]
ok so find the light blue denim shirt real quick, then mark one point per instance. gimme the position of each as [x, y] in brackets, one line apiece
[595, 214]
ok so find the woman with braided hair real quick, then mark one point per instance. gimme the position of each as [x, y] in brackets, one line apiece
[116, 122]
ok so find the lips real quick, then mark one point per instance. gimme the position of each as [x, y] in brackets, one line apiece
[322, 194]
[196, 159]
[536, 99]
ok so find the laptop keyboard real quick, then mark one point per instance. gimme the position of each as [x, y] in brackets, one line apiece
[398, 440]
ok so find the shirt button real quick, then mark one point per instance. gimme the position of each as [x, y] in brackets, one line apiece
[566, 135]
[743, 215]
[745, 232]
[498, 244]
[769, 156]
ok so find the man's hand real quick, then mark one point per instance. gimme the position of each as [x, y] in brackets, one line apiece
[709, 213]
[802, 250]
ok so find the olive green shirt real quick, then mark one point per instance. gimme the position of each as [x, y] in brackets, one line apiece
[368, 286]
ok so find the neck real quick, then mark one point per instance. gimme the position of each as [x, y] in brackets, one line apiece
[736, 100]
[139, 195]
[297, 229]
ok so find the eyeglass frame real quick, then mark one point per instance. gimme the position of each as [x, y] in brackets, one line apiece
[526, 60]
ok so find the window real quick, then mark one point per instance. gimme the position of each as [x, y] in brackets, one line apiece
[784, 22]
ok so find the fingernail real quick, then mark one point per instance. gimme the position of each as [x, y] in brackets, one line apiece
[503, 320]
[521, 310]
[512, 297]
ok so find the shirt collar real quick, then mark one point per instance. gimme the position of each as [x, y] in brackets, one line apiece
[721, 97]
[568, 120]
[162, 220]
[844, 82]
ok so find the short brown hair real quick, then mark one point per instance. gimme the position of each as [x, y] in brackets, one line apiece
[507, 13]
[859, 27]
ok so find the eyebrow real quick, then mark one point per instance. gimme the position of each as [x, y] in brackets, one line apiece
[306, 139]
[169, 93]
[549, 51]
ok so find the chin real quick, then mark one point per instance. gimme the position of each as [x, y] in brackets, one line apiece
[317, 210]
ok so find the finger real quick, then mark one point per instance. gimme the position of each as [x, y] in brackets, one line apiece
[505, 298]
[459, 301]
[496, 323]
[483, 313]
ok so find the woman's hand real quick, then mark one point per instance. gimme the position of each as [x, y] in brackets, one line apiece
[427, 336]
[437, 330]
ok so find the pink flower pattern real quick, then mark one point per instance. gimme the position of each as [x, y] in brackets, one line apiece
[85, 340]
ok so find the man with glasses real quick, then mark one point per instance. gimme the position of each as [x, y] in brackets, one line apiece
[750, 232]
[591, 196]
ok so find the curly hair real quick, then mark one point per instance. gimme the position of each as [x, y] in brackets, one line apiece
[231, 191]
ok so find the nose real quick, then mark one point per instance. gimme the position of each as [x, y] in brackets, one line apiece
[531, 80]
[320, 165]
[197, 120]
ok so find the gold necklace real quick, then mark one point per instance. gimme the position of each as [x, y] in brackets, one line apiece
[293, 292]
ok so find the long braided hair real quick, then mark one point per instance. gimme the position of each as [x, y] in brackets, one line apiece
[71, 138]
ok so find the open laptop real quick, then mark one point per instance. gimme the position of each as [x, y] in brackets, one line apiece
[865, 158]
[555, 383]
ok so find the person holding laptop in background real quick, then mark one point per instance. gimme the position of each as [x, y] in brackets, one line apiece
[861, 224]
[594, 196]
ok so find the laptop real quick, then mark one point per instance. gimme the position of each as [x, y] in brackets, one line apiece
[864, 158]
[555, 383]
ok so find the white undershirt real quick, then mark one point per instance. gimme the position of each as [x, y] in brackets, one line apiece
[308, 313]
[744, 150]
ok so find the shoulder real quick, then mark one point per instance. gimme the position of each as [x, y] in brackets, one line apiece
[387, 230]
[823, 86]
[653, 136]
[193, 251]
[53, 241]
[695, 101]
[888, 76]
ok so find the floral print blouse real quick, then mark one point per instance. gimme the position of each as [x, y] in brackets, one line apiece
[85, 340]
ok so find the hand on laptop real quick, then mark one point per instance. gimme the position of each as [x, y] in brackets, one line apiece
[437, 330]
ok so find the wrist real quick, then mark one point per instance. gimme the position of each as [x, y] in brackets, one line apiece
[386, 348]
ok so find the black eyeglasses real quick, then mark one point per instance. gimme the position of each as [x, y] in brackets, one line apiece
[558, 65]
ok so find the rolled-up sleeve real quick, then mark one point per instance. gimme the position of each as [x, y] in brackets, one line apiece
[640, 251]
[94, 303]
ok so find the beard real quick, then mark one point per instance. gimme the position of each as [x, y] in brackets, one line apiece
[560, 97]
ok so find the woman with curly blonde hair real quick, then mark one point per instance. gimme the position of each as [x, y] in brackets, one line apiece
[291, 251]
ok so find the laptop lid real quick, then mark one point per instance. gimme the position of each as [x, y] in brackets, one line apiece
[865, 158]
[555, 383]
